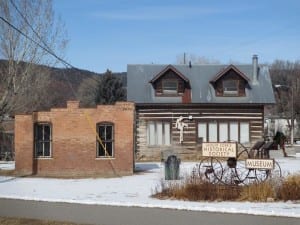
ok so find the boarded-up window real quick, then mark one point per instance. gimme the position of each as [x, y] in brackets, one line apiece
[158, 133]
[105, 146]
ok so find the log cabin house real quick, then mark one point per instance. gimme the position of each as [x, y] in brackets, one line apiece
[180, 106]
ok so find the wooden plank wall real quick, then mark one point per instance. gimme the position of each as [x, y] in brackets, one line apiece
[190, 149]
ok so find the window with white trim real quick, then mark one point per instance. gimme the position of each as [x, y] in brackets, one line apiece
[42, 140]
[158, 133]
[244, 132]
[223, 131]
[212, 132]
[220, 131]
[202, 131]
[233, 131]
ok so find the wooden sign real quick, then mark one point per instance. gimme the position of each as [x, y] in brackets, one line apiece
[260, 164]
[219, 149]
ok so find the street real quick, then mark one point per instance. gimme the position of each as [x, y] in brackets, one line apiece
[114, 215]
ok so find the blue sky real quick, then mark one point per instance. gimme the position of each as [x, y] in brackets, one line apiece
[109, 34]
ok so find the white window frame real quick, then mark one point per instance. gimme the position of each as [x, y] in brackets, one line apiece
[43, 141]
[158, 133]
[224, 131]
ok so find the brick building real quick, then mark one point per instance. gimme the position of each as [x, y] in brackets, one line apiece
[74, 141]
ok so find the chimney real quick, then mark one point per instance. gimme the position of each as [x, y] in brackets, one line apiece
[255, 69]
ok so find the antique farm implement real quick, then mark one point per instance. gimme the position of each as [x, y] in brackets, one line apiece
[232, 163]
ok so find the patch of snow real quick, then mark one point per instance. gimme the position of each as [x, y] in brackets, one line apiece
[136, 190]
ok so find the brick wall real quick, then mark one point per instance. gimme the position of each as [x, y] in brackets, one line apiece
[74, 141]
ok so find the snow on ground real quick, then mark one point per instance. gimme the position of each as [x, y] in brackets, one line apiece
[135, 191]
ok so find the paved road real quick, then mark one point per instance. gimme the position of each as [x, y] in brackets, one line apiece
[114, 215]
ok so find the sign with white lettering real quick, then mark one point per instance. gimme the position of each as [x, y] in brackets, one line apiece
[219, 149]
[260, 164]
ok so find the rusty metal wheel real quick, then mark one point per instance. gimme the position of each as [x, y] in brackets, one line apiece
[234, 169]
[264, 174]
[210, 168]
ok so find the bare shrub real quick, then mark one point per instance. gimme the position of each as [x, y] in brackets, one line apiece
[290, 188]
[258, 191]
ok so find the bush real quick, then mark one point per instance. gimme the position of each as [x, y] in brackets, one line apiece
[258, 191]
[290, 188]
[200, 189]
[196, 189]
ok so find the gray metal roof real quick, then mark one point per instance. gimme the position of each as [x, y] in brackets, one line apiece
[139, 90]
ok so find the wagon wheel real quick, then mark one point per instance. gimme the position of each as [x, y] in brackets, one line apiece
[209, 167]
[263, 174]
[234, 169]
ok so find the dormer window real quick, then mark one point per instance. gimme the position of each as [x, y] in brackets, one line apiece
[230, 82]
[170, 86]
[230, 87]
[171, 83]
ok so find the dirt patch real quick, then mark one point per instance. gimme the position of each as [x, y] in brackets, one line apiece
[22, 221]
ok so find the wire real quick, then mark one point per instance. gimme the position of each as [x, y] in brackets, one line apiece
[38, 44]
[48, 50]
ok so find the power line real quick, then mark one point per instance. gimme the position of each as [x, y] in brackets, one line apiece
[48, 50]
[38, 44]
[45, 48]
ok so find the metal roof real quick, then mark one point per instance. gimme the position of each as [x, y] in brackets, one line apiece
[139, 90]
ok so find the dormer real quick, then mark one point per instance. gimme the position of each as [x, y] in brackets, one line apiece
[230, 82]
[170, 83]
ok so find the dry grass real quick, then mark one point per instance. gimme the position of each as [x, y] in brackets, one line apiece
[290, 188]
[258, 191]
[199, 189]
[196, 189]
[22, 221]
[7, 172]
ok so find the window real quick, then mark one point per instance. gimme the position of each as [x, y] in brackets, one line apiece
[105, 148]
[202, 131]
[233, 131]
[170, 86]
[244, 129]
[230, 87]
[221, 131]
[42, 139]
[158, 133]
[212, 132]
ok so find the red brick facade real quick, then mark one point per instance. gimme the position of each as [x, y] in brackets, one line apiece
[74, 145]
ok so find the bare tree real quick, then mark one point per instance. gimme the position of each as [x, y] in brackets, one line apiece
[29, 34]
[187, 58]
[287, 74]
[88, 90]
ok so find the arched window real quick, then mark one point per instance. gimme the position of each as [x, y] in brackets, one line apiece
[105, 139]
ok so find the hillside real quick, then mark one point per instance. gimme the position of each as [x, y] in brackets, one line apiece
[62, 85]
